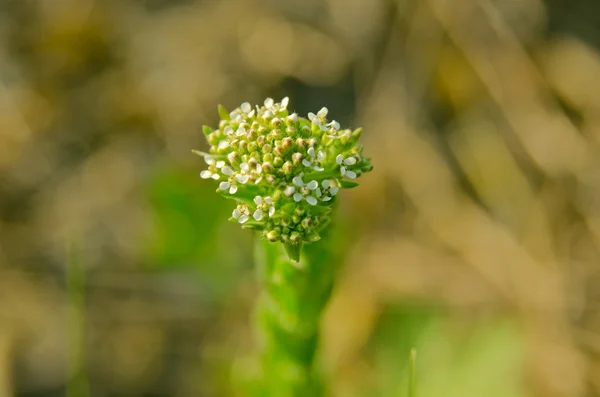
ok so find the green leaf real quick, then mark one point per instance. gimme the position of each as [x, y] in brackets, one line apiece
[199, 153]
[348, 184]
[293, 251]
[313, 237]
[319, 210]
[206, 130]
[223, 113]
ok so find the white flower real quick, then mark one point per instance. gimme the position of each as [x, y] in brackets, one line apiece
[305, 190]
[330, 189]
[323, 112]
[243, 179]
[274, 107]
[210, 160]
[207, 174]
[263, 205]
[241, 213]
[228, 185]
[347, 161]
[310, 161]
[334, 125]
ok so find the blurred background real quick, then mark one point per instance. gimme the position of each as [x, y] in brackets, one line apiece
[476, 238]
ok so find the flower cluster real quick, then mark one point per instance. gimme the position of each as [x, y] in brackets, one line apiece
[285, 171]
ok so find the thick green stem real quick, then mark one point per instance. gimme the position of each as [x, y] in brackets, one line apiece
[293, 296]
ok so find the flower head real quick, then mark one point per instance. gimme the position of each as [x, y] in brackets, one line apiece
[284, 170]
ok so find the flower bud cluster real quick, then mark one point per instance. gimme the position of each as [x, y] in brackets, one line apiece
[285, 171]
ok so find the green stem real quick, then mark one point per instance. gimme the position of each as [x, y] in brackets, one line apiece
[293, 295]
[412, 373]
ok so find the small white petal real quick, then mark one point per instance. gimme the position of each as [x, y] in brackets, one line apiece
[251, 113]
[297, 197]
[258, 200]
[333, 190]
[231, 157]
[316, 121]
[220, 164]
[323, 128]
[243, 179]
[326, 198]
[323, 112]
[317, 168]
[351, 174]
[311, 200]
[343, 170]
[325, 183]
[246, 107]
[306, 163]
[267, 114]
[312, 185]
[269, 102]
[210, 160]
[293, 117]
[258, 180]
[350, 161]
[205, 174]
[236, 213]
[258, 168]
[320, 155]
[257, 215]
[240, 131]
[311, 151]
[223, 145]
[269, 200]
[318, 191]
[224, 185]
[311, 116]
[284, 102]
[227, 170]
[244, 167]
[216, 177]
[243, 219]
[233, 189]
[271, 211]
[334, 124]
[289, 190]
[339, 158]
[228, 130]
[298, 181]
